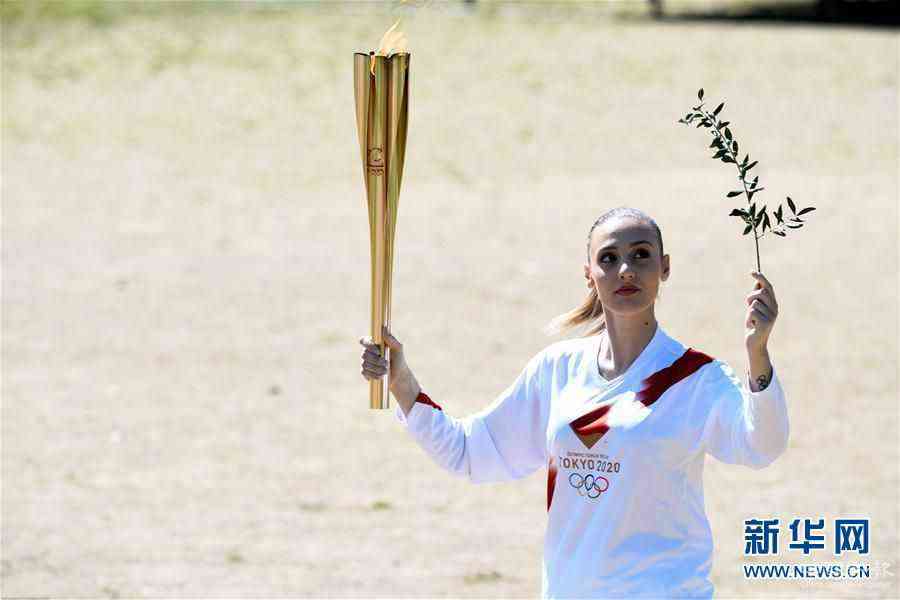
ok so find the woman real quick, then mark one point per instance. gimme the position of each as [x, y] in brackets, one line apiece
[622, 417]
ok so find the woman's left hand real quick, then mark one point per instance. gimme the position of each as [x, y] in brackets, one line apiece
[761, 314]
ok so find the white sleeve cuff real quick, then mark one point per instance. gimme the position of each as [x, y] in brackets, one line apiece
[404, 418]
[771, 390]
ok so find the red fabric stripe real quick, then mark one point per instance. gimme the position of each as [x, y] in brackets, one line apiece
[551, 482]
[424, 399]
[593, 424]
[656, 385]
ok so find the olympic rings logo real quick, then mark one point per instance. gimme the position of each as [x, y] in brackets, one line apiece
[590, 485]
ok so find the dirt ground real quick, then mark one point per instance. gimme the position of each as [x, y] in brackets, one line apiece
[186, 275]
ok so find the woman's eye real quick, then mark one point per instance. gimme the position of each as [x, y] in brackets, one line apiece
[641, 253]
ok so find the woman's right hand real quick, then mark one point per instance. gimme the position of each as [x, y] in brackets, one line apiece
[375, 366]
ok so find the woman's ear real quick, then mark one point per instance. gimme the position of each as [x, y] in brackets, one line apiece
[587, 274]
[665, 267]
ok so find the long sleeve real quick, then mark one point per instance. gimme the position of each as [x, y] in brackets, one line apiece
[745, 427]
[505, 441]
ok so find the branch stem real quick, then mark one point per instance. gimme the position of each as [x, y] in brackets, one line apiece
[715, 122]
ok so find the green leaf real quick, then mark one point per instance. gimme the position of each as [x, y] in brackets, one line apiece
[791, 204]
[748, 229]
[793, 226]
[719, 154]
[724, 124]
[727, 159]
[736, 213]
[755, 179]
[700, 94]
[746, 158]
[778, 214]
[734, 147]
[779, 233]
[806, 210]
[751, 165]
[727, 133]
[718, 108]
[733, 194]
[766, 223]
[753, 210]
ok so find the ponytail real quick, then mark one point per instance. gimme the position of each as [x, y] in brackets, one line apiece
[589, 310]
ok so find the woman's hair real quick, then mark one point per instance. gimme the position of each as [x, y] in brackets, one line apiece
[591, 310]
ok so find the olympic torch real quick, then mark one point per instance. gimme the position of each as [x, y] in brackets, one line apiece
[381, 86]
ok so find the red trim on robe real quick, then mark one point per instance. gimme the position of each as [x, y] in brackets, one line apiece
[424, 399]
[551, 482]
[593, 424]
[656, 385]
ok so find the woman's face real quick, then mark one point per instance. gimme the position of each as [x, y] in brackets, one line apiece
[625, 252]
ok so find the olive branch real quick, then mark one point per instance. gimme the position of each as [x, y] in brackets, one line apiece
[727, 151]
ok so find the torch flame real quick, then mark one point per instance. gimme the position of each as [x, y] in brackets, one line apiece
[392, 42]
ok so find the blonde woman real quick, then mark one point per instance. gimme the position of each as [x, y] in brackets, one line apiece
[622, 418]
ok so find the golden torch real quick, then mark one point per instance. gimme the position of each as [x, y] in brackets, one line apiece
[381, 85]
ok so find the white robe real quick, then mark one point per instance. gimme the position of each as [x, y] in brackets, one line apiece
[625, 459]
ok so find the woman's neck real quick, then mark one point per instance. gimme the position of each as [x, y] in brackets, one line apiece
[623, 342]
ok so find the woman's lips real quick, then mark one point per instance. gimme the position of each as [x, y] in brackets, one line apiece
[628, 292]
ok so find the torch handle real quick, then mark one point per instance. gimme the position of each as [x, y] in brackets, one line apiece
[380, 389]
[386, 389]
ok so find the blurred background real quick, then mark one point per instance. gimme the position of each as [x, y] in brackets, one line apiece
[186, 275]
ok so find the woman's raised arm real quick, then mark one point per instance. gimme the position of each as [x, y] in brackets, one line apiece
[745, 427]
[504, 441]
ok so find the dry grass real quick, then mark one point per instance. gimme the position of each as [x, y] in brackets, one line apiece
[185, 276]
